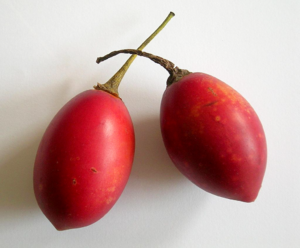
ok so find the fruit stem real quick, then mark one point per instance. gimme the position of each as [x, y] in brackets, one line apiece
[112, 84]
[175, 73]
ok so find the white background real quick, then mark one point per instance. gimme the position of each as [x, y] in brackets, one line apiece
[47, 56]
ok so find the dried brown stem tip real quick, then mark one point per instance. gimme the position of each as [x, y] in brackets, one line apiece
[175, 73]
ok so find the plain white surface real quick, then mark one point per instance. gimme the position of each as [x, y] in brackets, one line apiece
[48, 51]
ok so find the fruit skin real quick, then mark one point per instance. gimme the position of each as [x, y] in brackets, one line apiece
[84, 160]
[214, 137]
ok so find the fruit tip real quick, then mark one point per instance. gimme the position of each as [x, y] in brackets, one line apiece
[59, 227]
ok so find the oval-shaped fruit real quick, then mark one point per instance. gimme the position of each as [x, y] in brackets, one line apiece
[214, 136]
[211, 132]
[84, 160]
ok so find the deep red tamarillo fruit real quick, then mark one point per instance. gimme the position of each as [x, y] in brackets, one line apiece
[211, 133]
[85, 156]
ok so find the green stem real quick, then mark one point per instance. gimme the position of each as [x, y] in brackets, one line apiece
[112, 84]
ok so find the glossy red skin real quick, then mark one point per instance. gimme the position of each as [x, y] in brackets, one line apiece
[214, 137]
[84, 160]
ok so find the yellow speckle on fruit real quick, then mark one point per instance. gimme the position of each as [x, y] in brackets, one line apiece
[234, 157]
[111, 189]
[41, 186]
[218, 118]
[109, 200]
[195, 110]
